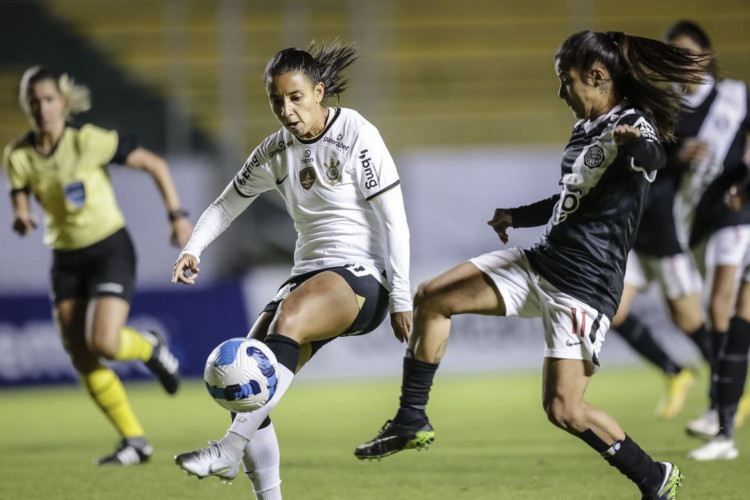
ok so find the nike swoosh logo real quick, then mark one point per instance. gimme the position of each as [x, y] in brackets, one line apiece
[279, 181]
[571, 344]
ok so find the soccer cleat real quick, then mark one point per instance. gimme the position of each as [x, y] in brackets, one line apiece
[719, 448]
[131, 451]
[673, 400]
[743, 410]
[668, 489]
[209, 461]
[395, 437]
[163, 364]
[706, 426]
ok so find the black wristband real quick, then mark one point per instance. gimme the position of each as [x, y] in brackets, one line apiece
[177, 213]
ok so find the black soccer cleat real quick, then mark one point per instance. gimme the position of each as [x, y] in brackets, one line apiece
[131, 451]
[163, 364]
[395, 437]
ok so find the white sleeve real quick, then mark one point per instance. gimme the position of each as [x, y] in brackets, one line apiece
[389, 207]
[216, 219]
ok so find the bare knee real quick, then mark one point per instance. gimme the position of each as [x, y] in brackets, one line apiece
[429, 298]
[568, 417]
[104, 344]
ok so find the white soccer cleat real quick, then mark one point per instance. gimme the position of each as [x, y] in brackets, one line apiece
[706, 426]
[209, 461]
[720, 448]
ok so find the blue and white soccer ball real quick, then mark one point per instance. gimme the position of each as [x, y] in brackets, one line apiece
[241, 374]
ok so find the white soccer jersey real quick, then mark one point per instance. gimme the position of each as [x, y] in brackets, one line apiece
[341, 190]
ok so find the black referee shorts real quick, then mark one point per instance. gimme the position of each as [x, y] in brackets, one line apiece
[106, 268]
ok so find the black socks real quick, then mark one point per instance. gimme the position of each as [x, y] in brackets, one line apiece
[415, 389]
[640, 338]
[732, 372]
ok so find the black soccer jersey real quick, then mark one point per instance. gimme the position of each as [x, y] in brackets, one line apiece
[595, 218]
[721, 120]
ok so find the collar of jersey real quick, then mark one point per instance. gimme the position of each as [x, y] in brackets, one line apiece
[32, 141]
[590, 125]
[701, 93]
[336, 112]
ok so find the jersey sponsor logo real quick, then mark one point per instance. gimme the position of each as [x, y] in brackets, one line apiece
[308, 157]
[336, 142]
[247, 169]
[307, 177]
[570, 202]
[594, 156]
[280, 148]
[370, 180]
[333, 171]
[647, 131]
[75, 193]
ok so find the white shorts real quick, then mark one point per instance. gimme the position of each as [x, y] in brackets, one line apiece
[677, 275]
[572, 329]
[727, 247]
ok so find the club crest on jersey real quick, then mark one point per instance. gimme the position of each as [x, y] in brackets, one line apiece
[307, 177]
[594, 156]
[333, 171]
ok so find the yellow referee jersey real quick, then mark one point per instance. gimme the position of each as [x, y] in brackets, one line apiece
[72, 185]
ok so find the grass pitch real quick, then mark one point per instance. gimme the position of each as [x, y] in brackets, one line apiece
[493, 442]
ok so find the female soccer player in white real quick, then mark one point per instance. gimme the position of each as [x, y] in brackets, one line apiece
[93, 260]
[573, 278]
[341, 188]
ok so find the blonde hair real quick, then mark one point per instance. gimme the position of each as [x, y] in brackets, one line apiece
[77, 96]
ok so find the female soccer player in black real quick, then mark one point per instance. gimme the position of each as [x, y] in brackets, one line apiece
[573, 278]
[711, 151]
[93, 263]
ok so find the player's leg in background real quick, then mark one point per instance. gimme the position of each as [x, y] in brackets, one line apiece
[565, 382]
[463, 289]
[731, 378]
[101, 382]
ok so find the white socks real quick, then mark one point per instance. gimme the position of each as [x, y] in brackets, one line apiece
[261, 461]
[246, 423]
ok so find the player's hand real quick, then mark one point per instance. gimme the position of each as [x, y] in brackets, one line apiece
[401, 324]
[624, 134]
[694, 152]
[734, 198]
[185, 270]
[23, 224]
[181, 231]
[501, 221]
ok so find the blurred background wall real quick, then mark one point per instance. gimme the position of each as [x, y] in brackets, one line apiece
[464, 94]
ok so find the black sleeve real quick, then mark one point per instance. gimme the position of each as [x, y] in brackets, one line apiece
[646, 153]
[126, 144]
[536, 214]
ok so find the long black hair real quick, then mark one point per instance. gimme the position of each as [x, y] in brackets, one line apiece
[697, 35]
[325, 66]
[641, 70]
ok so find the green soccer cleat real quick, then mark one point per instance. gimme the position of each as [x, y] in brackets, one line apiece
[668, 489]
[395, 437]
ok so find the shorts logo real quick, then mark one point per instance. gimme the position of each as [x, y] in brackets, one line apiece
[110, 288]
[307, 177]
[284, 292]
[594, 156]
[333, 172]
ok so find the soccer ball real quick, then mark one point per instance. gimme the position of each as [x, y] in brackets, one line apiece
[240, 374]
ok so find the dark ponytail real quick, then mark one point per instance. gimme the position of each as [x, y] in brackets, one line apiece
[641, 69]
[325, 66]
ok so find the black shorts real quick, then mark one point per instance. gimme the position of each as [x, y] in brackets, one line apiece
[372, 312]
[106, 268]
